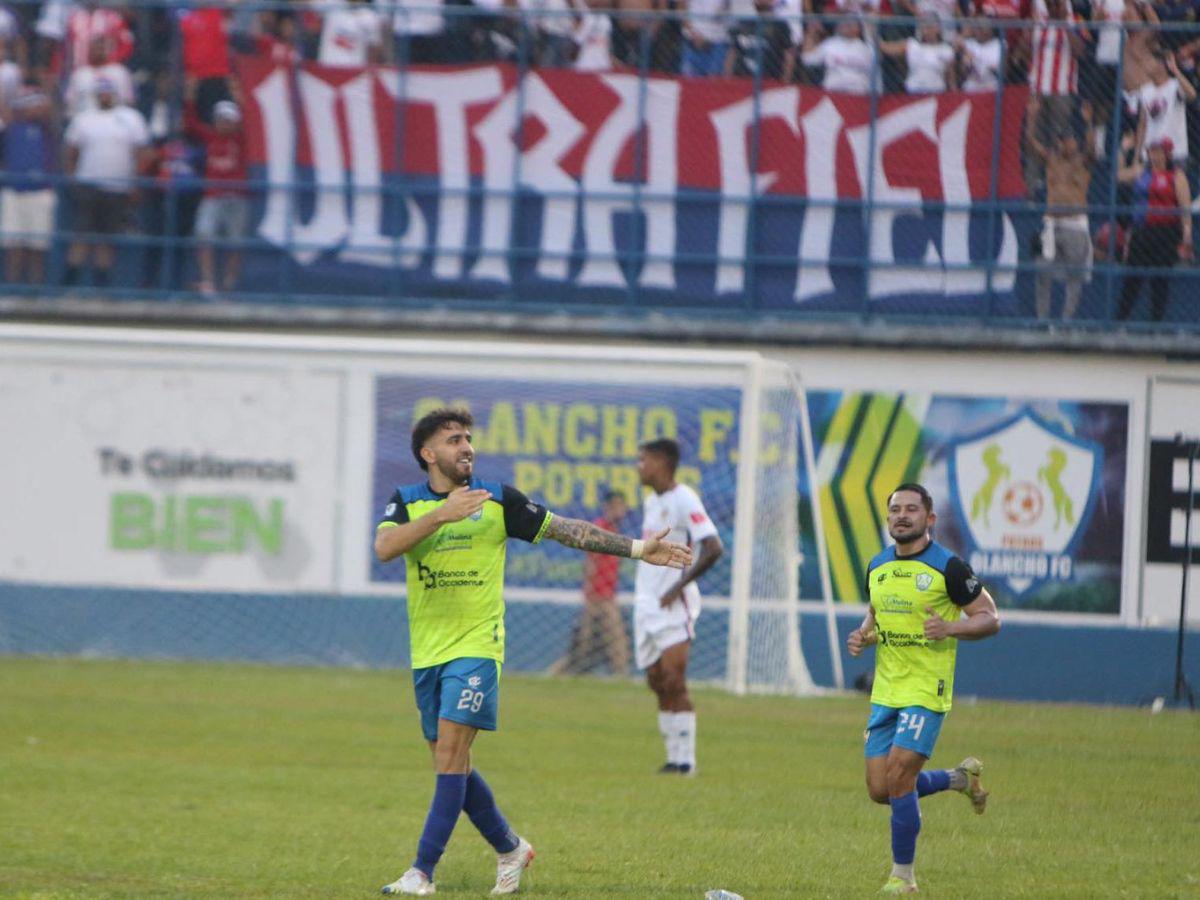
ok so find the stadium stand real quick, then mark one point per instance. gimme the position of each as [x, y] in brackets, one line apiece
[929, 162]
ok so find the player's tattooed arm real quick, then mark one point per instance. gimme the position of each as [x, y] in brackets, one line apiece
[585, 536]
[656, 549]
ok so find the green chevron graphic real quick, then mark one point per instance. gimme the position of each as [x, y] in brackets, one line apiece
[872, 444]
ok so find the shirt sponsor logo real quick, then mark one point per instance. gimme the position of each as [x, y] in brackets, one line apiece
[390, 509]
[432, 579]
[447, 541]
[698, 517]
[894, 604]
[882, 578]
[899, 639]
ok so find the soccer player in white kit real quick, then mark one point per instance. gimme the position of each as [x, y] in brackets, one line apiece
[668, 603]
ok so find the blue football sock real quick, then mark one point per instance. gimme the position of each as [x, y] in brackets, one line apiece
[481, 807]
[439, 824]
[906, 825]
[932, 782]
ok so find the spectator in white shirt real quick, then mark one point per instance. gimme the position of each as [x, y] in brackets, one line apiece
[981, 55]
[104, 147]
[1162, 107]
[847, 59]
[930, 60]
[81, 88]
[593, 35]
[350, 34]
[705, 38]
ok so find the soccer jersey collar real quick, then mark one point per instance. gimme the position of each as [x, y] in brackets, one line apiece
[442, 495]
[928, 544]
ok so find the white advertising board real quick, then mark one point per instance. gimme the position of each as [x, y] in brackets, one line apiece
[156, 474]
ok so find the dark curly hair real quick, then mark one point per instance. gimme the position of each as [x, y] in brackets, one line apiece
[433, 422]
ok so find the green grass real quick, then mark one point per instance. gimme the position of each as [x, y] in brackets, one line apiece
[163, 779]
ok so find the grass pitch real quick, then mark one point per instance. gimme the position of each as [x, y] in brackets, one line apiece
[122, 779]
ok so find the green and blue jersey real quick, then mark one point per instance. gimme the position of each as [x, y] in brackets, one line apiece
[455, 576]
[911, 670]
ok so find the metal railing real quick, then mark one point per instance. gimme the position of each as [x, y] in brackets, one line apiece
[732, 166]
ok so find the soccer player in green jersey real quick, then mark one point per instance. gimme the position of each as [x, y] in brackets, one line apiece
[923, 601]
[452, 531]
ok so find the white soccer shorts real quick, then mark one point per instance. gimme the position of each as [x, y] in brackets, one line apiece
[654, 632]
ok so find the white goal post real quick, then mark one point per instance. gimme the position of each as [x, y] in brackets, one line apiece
[764, 647]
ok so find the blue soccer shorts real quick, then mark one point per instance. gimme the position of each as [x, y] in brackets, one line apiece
[913, 728]
[464, 690]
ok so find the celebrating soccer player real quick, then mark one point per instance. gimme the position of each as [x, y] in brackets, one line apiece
[667, 605]
[452, 531]
[923, 601]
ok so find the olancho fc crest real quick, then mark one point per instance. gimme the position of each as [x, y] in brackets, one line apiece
[1023, 491]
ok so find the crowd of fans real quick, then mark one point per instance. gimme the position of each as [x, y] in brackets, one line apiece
[141, 108]
[97, 141]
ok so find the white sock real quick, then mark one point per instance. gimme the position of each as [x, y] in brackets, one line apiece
[666, 727]
[905, 872]
[685, 733]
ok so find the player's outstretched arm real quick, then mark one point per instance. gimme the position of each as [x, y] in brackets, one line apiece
[585, 536]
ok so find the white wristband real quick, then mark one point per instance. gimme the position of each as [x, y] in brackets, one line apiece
[635, 552]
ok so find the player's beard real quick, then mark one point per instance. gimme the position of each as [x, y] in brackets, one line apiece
[906, 534]
[452, 472]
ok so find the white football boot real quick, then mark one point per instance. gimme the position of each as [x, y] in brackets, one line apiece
[414, 881]
[510, 866]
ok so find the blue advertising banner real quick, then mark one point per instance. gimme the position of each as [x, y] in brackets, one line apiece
[1030, 492]
[564, 444]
